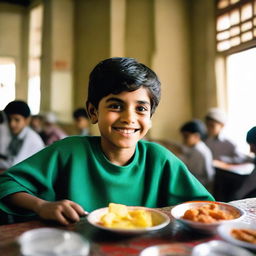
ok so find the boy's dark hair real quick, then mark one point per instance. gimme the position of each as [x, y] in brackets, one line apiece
[195, 126]
[18, 107]
[80, 112]
[251, 136]
[115, 75]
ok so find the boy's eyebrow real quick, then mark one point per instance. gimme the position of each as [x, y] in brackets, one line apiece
[121, 101]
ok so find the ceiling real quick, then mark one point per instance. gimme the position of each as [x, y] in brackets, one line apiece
[17, 2]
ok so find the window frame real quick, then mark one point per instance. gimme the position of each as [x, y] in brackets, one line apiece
[227, 10]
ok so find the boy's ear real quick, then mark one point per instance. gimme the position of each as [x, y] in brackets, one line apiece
[92, 112]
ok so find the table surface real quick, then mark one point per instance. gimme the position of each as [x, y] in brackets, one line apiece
[241, 169]
[105, 243]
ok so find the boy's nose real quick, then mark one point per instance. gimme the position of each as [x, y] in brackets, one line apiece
[128, 117]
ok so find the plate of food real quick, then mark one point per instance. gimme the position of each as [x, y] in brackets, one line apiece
[128, 219]
[239, 233]
[206, 216]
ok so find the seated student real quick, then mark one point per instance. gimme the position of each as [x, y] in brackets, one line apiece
[24, 141]
[222, 148]
[52, 131]
[195, 154]
[81, 120]
[5, 135]
[87, 172]
[248, 188]
[37, 124]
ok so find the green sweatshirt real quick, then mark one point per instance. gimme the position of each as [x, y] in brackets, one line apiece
[75, 168]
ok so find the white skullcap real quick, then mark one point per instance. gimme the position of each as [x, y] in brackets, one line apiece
[217, 115]
[50, 118]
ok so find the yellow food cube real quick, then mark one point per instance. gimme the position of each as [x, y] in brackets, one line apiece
[141, 218]
[118, 209]
[107, 219]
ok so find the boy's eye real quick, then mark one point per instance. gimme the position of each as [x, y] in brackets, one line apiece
[115, 106]
[142, 109]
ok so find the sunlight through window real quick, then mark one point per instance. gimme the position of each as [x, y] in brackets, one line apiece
[7, 81]
[241, 81]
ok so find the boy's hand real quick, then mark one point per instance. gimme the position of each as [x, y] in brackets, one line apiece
[65, 211]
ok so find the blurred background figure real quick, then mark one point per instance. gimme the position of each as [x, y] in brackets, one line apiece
[24, 141]
[248, 188]
[222, 148]
[81, 121]
[37, 124]
[5, 135]
[195, 154]
[52, 131]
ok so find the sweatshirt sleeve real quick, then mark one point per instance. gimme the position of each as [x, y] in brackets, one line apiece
[35, 175]
[182, 185]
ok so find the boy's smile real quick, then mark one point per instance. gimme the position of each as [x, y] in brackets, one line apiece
[123, 120]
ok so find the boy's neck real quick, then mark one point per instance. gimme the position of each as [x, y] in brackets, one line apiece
[118, 156]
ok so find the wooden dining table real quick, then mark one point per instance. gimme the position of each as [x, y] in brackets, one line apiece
[105, 243]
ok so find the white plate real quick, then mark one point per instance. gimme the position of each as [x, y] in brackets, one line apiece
[178, 211]
[158, 217]
[219, 248]
[52, 242]
[225, 229]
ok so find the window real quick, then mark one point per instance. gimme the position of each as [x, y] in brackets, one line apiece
[236, 46]
[241, 89]
[236, 24]
[7, 81]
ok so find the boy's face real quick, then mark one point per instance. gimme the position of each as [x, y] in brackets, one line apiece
[190, 139]
[17, 123]
[123, 119]
[213, 127]
[81, 123]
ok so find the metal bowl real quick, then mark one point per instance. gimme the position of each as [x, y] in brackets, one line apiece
[209, 228]
[219, 248]
[52, 241]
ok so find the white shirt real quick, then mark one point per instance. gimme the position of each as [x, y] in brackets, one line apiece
[31, 144]
[5, 136]
[199, 161]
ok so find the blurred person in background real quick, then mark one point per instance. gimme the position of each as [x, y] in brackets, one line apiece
[195, 154]
[37, 124]
[24, 141]
[52, 130]
[5, 135]
[248, 188]
[81, 121]
[222, 148]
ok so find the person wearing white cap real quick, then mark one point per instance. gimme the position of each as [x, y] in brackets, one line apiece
[52, 131]
[222, 148]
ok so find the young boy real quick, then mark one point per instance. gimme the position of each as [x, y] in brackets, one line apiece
[81, 120]
[85, 173]
[195, 154]
[24, 141]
